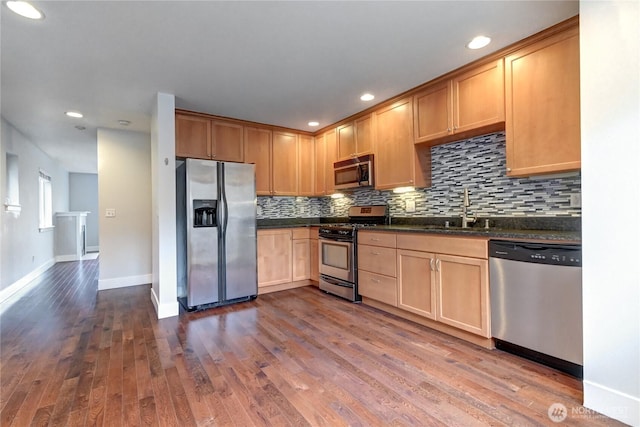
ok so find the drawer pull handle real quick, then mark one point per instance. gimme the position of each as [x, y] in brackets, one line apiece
[375, 253]
[373, 239]
[375, 280]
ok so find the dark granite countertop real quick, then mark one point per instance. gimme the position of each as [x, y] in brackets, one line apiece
[529, 228]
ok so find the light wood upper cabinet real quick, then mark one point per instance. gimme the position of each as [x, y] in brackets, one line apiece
[257, 150]
[306, 166]
[331, 155]
[227, 141]
[320, 167]
[394, 149]
[543, 106]
[467, 104]
[356, 138]
[346, 141]
[202, 138]
[285, 163]
[193, 136]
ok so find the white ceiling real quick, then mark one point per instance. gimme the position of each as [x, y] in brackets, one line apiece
[281, 63]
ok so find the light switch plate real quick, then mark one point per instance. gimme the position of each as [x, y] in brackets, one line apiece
[410, 205]
[575, 200]
[110, 213]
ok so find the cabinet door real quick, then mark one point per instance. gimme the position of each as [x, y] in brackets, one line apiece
[432, 112]
[306, 165]
[314, 260]
[364, 134]
[331, 155]
[301, 260]
[193, 136]
[478, 97]
[417, 283]
[346, 141]
[257, 150]
[463, 293]
[227, 142]
[321, 168]
[274, 257]
[285, 164]
[395, 154]
[543, 106]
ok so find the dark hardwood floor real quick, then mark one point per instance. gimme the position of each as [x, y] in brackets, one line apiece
[72, 356]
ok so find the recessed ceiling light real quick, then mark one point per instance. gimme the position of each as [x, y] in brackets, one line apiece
[124, 122]
[74, 114]
[367, 97]
[25, 9]
[314, 124]
[479, 42]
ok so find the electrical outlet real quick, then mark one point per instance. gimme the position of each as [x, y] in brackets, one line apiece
[575, 200]
[259, 210]
[110, 213]
[332, 210]
[410, 205]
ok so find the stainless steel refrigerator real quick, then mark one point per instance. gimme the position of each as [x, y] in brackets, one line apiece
[216, 233]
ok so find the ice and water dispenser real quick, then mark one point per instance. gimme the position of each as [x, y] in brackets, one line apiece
[205, 213]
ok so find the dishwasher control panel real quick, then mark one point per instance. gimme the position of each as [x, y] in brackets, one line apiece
[553, 254]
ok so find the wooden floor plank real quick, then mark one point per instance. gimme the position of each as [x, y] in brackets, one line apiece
[71, 355]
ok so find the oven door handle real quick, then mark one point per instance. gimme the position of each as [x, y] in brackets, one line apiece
[326, 239]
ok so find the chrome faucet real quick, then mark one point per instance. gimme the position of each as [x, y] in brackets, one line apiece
[466, 220]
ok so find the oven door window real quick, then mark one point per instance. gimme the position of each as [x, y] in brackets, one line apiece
[335, 255]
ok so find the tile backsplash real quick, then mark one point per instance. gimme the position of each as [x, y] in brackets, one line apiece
[477, 163]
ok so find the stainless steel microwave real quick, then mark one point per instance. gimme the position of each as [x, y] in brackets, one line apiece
[353, 173]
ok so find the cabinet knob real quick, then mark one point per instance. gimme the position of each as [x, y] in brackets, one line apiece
[508, 169]
[448, 130]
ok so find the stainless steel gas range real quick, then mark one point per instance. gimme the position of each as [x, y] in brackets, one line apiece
[338, 259]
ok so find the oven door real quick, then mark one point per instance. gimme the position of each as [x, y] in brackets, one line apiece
[337, 259]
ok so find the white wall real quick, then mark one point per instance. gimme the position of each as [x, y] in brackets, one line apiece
[26, 251]
[124, 184]
[610, 103]
[163, 167]
[83, 196]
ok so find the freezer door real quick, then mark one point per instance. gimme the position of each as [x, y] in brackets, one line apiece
[239, 199]
[202, 233]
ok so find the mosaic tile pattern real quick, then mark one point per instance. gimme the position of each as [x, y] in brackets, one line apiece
[477, 163]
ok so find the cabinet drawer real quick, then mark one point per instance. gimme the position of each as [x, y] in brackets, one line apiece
[377, 287]
[377, 259]
[300, 233]
[377, 239]
[462, 246]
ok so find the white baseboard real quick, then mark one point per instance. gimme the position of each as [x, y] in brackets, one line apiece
[123, 282]
[92, 249]
[611, 403]
[18, 285]
[164, 310]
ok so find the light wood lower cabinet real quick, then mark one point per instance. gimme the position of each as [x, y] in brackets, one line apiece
[313, 254]
[275, 255]
[441, 279]
[377, 267]
[417, 283]
[449, 283]
[285, 258]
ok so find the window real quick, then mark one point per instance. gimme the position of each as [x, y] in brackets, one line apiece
[46, 203]
[12, 190]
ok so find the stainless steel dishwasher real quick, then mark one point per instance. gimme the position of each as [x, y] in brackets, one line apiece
[536, 302]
